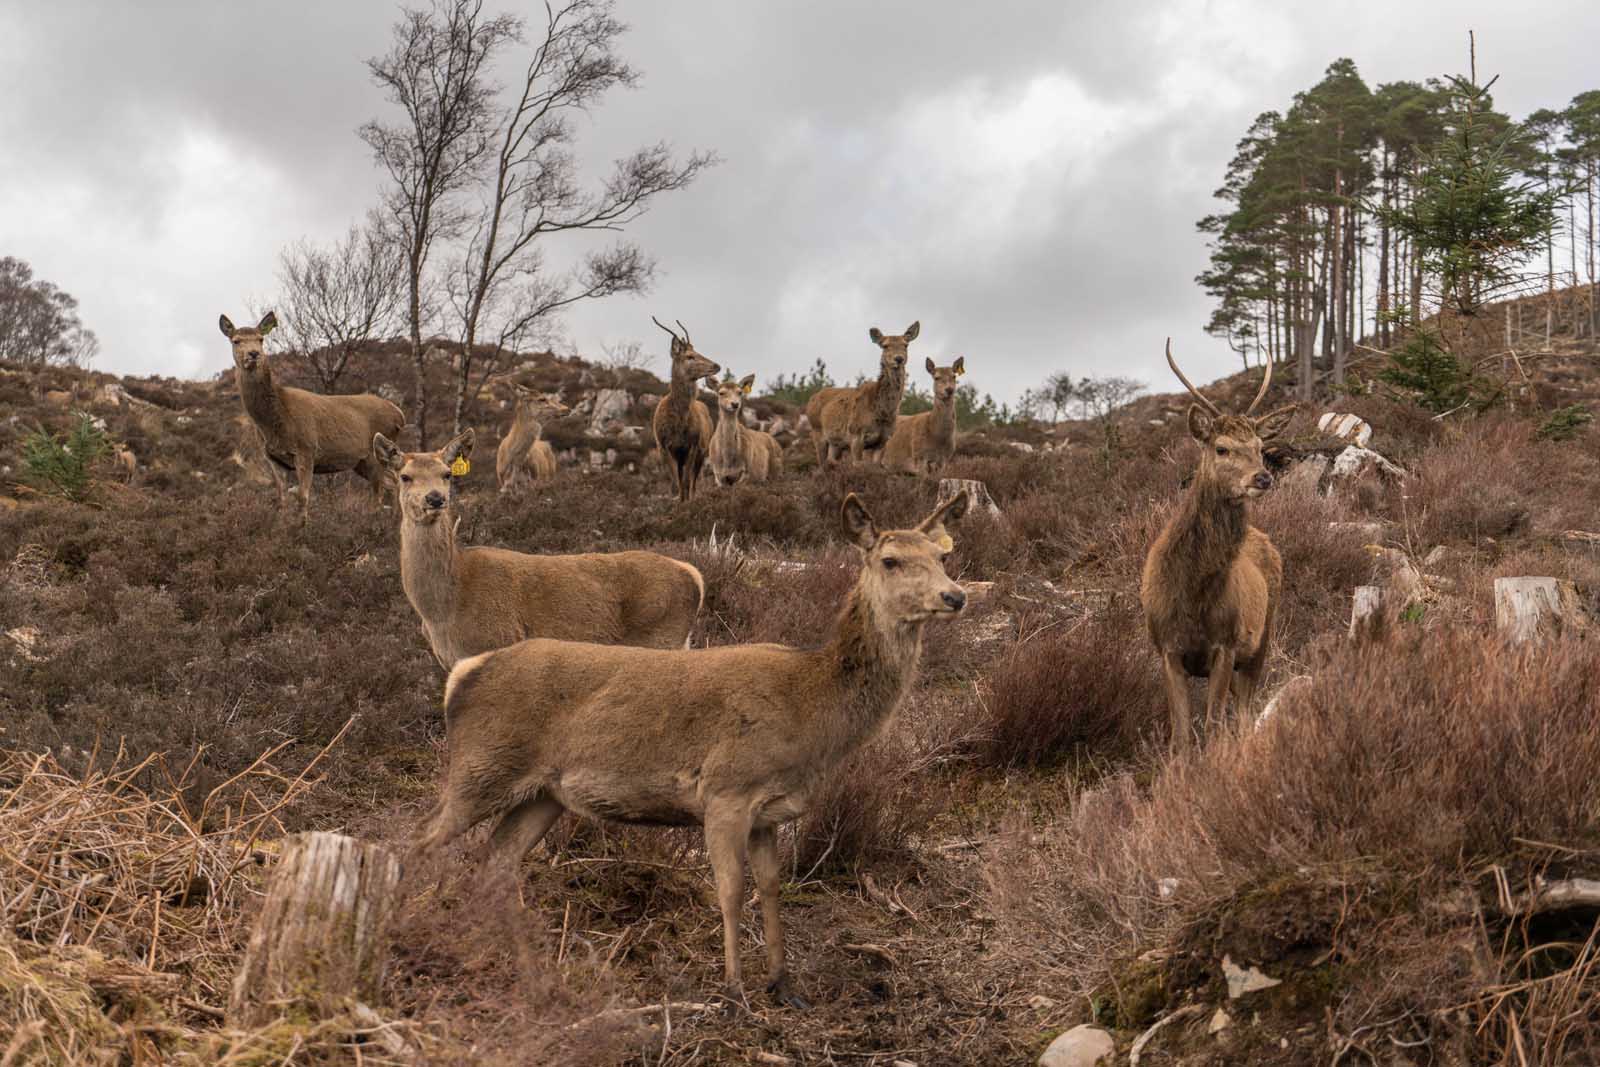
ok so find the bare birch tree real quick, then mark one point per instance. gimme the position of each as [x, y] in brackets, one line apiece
[334, 297]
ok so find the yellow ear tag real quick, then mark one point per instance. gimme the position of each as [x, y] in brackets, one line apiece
[747, 389]
[460, 467]
[944, 542]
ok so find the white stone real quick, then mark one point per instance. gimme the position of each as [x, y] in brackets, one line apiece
[1245, 980]
[1356, 461]
[1167, 888]
[611, 407]
[1220, 1021]
[1350, 428]
[1294, 685]
[1082, 1046]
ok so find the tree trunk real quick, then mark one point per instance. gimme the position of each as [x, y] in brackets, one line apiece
[1527, 609]
[319, 944]
[1383, 258]
[1336, 272]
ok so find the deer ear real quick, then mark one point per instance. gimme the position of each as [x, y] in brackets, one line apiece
[912, 331]
[225, 324]
[960, 366]
[387, 452]
[946, 513]
[747, 383]
[458, 446]
[1202, 426]
[858, 523]
[1273, 423]
[928, 363]
[876, 335]
[268, 323]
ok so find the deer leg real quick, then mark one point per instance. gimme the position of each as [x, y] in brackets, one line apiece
[727, 840]
[764, 865]
[1177, 682]
[302, 473]
[1220, 682]
[521, 829]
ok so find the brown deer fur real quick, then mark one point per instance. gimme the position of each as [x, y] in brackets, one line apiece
[523, 454]
[737, 451]
[736, 739]
[862, 418]
[1211, 581]
[682, 424]
[472, 600]
[923, 443]
[305, 432]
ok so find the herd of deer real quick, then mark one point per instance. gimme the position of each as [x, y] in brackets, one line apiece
[571, 684]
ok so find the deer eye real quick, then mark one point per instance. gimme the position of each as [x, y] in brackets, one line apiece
[406, 478]
[1221, 451]
[890, 563]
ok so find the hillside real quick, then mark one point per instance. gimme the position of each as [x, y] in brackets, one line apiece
[1018, 854]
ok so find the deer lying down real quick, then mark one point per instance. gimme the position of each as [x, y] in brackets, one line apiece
[472, 600]
[306, 432]
[736, 739]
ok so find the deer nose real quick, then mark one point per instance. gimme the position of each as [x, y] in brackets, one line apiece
[1262, 481]
[434, 499]
[956, 600]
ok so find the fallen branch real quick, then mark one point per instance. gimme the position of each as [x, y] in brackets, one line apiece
[1144, 1039]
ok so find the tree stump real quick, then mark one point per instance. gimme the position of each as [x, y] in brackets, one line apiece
[977, 493]
[319, 945]
[1526, 609]
[1366, 608]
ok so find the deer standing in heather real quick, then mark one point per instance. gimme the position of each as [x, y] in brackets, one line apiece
[682, 423]
[523, 453]
[306, 432]
[862, 418]
[737, 739]
[472, 600]
[1211, 581]
[737, 451]
[923, 443]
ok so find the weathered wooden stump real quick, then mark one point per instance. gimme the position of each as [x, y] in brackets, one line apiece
[1526, 609]
[319, 945]
[1366, 608]
[977, 493]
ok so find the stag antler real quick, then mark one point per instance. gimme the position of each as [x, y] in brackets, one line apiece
[685, 330]
[1197, 394]
[1262, 392]
[684, 339]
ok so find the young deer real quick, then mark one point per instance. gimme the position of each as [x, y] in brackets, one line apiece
[682, 424]
[472, 600]
[737, 451]
[306, 432]
[1211, 580]
[924, 443]
[523, 454]
[862, 418]
[736, 739]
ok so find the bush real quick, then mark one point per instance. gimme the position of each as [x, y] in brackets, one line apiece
[53, 465]
[1564, 423]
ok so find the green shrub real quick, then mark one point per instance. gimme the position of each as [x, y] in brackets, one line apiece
[1564, 423]
[52, 465]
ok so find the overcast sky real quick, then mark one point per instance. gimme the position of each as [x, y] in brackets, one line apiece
[1023, 178]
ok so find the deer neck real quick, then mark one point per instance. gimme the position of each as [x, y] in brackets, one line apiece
[726, 435]
[873, 664]
[1207, 535]
[944, 420]
[891, 384]
[262, 400]
[428, 565]
[526, 427]
[680, 392]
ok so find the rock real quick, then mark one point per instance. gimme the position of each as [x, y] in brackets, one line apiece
[611, 457]
[803, 424]
[1220, 1021]
[26, 638]
[633, 435]
[1355, 461]
[1020, 446]
[1349, 428]
[1294, 685]
[1167, 888]
[1368, 532]
[1365, 605]
[1307, 474]
[1039, 1002]
[1082, 1046]
[978, 493]
[597, 459]
[611, 408]
[1245, 980]
[1527, 609]
[779, 425]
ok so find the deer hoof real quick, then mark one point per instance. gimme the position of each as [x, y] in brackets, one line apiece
[782, 991]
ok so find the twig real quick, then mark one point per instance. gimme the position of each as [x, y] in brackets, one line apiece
[1144, 1039]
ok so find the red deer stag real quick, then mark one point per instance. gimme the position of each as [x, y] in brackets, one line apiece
[306, 432]
[862, 418]
[1211, 580]
[682, 423]
[737, 739]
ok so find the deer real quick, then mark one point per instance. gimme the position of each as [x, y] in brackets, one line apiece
[862, 418]
[736, 739]
[523, 453]
[737, 451]
[1211, 581]
[307, 432]
[472, 600]
[923, 443]
[682, 422]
